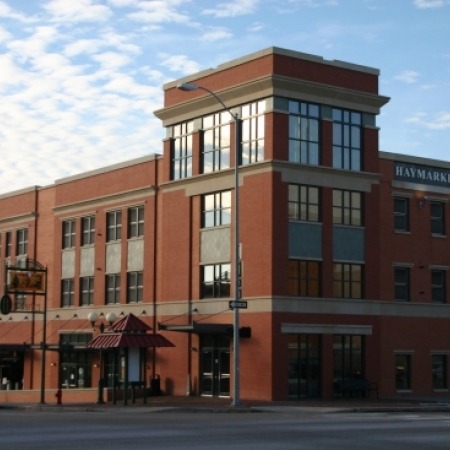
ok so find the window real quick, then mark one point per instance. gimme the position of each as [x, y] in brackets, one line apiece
[348, 357]
[135, 287]
[401, 284]
[346, 139]
[112, 289]
[304, 132]
[87, 291]
[253, 132]
[135, 221]
[216, 209]
[437, 218]
[347, 208]
[438, 286]
[439, 371]
[22, 241]
[401, 214]
[216, 281]
[402, 372]
[8, 244]
[182, 151]
[114, 224]
[304, 278]
[67, 292]
[69, 233]
[216, 142]
[304, 203]
[88, 230]
[347, 280]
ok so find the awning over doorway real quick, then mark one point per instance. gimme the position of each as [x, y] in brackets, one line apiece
[129, 332]
[201, 328]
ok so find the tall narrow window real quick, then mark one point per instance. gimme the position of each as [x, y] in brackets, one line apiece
[8, 244]
[86, 291]
[216, 281]
[304, 133]
[347, 208]
[216, 142]
[304, 203]
[347, 280]
[112, 289]
[88, 230]
[403, 372]
[114, 224]
[135, 221]
[304, 278]
[401, 284]
[437, 218]
[68, 233]
[135, 287]
[216, 209]
[182, 151]
[439, 371]
[22, 241]
[438, 286]
[401, 214]
[347, 139]
[67, 292]
[253, 132]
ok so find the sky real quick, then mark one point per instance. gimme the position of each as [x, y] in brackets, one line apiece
[80, 79]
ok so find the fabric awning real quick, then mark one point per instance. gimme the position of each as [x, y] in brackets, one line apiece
[123, 340]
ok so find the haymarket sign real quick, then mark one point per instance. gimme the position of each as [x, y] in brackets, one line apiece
[415, 173]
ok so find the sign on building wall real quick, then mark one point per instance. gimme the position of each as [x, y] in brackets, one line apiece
[415, 173]
[26, 281]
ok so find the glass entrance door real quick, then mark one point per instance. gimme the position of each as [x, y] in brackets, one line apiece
[215, 365]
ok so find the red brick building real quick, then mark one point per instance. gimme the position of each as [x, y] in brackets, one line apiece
[344, 248]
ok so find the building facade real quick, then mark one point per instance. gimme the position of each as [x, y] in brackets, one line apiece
[343, 248]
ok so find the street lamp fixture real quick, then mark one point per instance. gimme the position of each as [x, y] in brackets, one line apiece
[236, 261]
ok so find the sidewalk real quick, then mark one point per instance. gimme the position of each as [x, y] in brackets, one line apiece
[223, 405]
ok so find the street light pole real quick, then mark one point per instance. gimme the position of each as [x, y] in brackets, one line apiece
[236, 261]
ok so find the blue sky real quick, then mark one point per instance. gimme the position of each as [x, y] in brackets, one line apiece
[80, 79]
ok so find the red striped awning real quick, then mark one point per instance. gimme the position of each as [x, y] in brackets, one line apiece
[129, 340]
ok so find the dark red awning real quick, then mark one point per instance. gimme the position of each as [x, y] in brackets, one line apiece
[129, 340]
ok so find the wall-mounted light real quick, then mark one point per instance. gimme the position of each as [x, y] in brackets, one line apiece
[422, 201]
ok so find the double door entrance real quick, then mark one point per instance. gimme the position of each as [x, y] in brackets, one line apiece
[215, 365]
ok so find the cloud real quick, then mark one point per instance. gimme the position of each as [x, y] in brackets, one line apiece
[77, 11]
[408, 76]
[159, 11]
[216, 34]
[179, 63]
[233, 8]
[9, 13]
[441, 121]
[428, 4]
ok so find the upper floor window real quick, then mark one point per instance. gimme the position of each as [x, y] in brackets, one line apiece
[136, 221]
[182, 151]
[69, 233]
[114, 224]
[86, 291]
[22, 241]
[67, 292]
[347, 139]
[135, 287]
[347, 208]
[304, 278]
[304, 203]
[216, 142]
[88, 230]
[112, 289]
[304, 132]
[216, 281]
[216, 209]
[438, 286]
[253, 132]
[401, 214]
[437, 217]
[401, 284]
[8, 244]
[347, 280]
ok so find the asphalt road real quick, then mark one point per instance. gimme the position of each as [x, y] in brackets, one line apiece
[132, 429]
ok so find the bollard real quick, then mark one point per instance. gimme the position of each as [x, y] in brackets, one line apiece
[58, 396]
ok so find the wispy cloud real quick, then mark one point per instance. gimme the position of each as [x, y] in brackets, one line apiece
[441, 121]
[233, 8]
[77, 11]
[428, 4]
[179, 63]
[408, 76]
